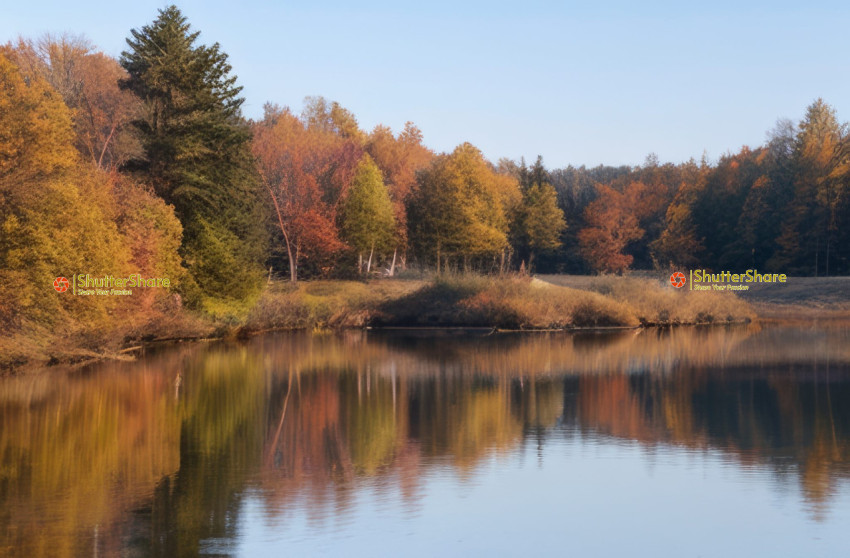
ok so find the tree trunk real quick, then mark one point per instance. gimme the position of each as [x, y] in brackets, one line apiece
[827, 253]
[392, 265]
[438, 258]
[105, 145]
[502, 263]
[293, 269]
[530, 260]
[369, 263]
[817, 253]
[360, 263]
[293, 262]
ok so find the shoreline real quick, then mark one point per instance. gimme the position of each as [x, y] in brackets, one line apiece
[471, 304]
[127, 353]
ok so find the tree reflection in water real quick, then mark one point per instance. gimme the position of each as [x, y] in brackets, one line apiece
[156, 457]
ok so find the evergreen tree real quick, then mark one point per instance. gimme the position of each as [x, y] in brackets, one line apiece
[539, 221]
[197, 153]
[537, 174]
[807, 231]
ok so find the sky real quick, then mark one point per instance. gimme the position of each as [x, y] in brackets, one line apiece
[579, 83]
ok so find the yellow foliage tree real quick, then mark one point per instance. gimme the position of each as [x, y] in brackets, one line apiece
[56, 214]
[461, 207]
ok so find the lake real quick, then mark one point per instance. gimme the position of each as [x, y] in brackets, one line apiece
[724, 441]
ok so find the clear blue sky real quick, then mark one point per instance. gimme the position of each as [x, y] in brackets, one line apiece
[577, 82]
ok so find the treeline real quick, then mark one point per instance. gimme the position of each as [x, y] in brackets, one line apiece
[146, 164]
[782, 207]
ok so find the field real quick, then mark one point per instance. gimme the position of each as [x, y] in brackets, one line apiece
[799, 299]
[802, 299]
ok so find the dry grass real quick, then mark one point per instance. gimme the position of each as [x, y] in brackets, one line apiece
[72, 342]
[466, 300]
[25, 346]
[654, 302]
[508, 302]
[321, 304]
[802, 299]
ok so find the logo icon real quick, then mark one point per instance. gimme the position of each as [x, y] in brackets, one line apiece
[677, 279]
[61, 284]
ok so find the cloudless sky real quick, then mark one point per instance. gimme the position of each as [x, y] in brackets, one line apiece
[576, 82]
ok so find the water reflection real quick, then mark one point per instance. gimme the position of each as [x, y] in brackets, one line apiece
[162, 456]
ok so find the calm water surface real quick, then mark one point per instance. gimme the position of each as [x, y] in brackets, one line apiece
[691, 442]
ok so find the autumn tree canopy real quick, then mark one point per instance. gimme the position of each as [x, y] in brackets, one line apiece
[539, 221]
[611, 226]
[287, 165]
[88, 82]
[61, 215]
[461, 207]
[366, 215]
[399, 157]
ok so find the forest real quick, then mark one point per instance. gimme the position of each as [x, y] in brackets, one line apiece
[146, 164]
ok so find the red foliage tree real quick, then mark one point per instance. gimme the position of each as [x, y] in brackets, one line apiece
[285, 154]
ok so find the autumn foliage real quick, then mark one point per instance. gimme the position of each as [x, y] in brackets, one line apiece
[611, 226]
[61, 215]
[291, 161]
[147, 164]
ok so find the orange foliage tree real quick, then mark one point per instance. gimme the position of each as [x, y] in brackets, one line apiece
[88, 82]
[611, 226]
[285, 154]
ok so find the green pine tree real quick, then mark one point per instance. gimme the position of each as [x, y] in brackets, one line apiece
[197, 153]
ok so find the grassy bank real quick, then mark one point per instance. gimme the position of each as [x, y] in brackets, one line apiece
[511, 302]
[75, 341]
[508, 302]
[324, 304]
[653, 302]
[802, 299]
